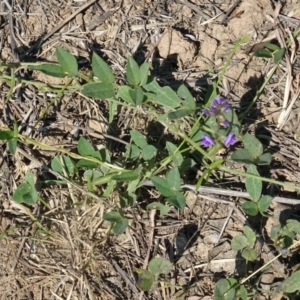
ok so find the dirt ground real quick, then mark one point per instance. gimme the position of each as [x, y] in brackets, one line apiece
[185, 41]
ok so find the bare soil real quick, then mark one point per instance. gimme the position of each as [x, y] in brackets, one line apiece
[184, 41]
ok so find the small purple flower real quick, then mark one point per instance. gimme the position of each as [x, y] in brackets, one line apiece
[230, 139]
[207, 140]
[226, 123]
[206, 111]
[219, 105]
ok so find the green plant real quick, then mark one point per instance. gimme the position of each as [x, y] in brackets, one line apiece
[245, 243]
[156, 268]
[26, 192]
[199, 132]
[253, 154]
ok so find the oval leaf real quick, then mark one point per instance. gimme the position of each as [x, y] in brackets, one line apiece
[145, 279]
[173, 179]
[120, 226]
[149, 152]
[264, 203]
[242, 156]
[138, 138]
[177, 200]
[291, 285]
[249, 254]
[250, 208]
[162, 186]
[253, 145]
[239, 242]
[101, 69]
[253, 185]
[112, 216]
[250, 235]
[99, 90]
[133, 72]
[67, 62]
[159, 266]
[49, 69]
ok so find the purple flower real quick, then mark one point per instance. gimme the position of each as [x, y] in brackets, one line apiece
[206, 111]
[230, 139]
[219, 105]
[226, 123]
[207, 140]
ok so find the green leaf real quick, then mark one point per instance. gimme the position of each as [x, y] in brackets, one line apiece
[109, 189]
[145, 279]
[272, 47]
[242, 156]
[112, 111]
[275, 231]
[101, 70]
[291, 284]
[69, 164]
[6, 135]
[163, 95]
[92, 176]
[132, 151]
[127, 175]
[263, 53]
[67, 62]
[249, 254]
[173, 180]
[167, 97]
[239, 242]
[85, 148]
[113, 217]
[180, 113]
[159, 266]
[184, 93]
[253, 185]
[177, 158]
[149, 152]
[49, 69]
[83, 163]
[250, 208]
[133, 72]
[120, 226]
[242, 292]
[293, 226]
[278, 55]
[25, 194]
[223, 290]
[264, 203]
[253, 145]
[250, 235]
[178, 200]
[99, 90]
[137, 95]
[164, 209]
[162, 186]
[264, 159]
[138, 138]
[12, 146]
[144, 71]
[29, 178]
[56, 164]
[124, 92]
[128, 200]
